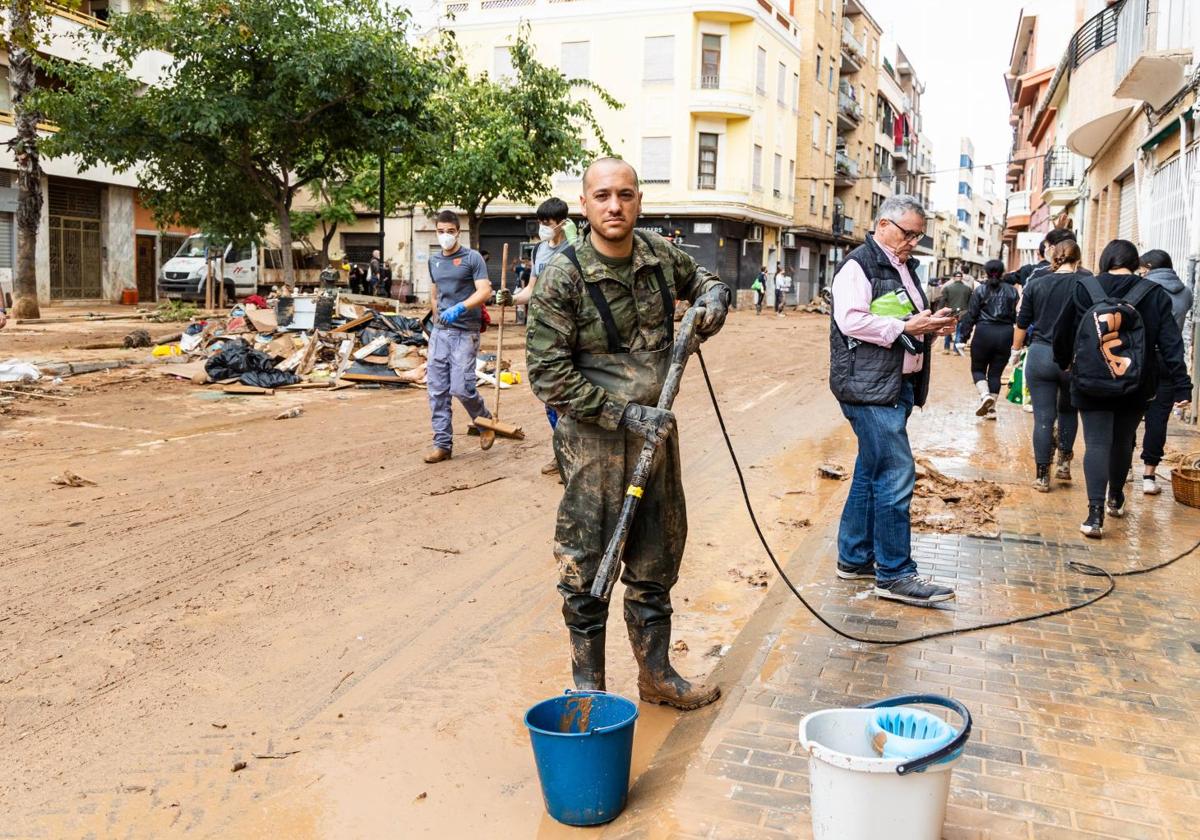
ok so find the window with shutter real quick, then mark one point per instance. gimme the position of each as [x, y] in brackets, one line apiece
[656, 160]
[781, 88]
[710, 62]
[760, 76]
[659, 59]
[575, 59]
[777, 173]
[707, 164]
[756, 177]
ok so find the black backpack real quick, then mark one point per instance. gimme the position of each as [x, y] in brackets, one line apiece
[1110, 346]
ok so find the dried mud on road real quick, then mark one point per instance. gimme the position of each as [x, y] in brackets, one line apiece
[286, 628]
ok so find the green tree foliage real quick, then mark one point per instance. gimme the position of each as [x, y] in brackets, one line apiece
[487, 138]
[259, 99]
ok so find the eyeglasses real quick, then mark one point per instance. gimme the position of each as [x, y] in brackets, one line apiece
[909, 235]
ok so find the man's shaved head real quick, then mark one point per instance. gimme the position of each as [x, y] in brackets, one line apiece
[607, 163]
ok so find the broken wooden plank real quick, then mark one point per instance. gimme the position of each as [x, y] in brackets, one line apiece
[355, 324]
[248, 389]
[369, 350]
[306, 386]
[310, 356]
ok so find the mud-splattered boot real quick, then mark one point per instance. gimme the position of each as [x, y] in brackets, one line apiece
[658, 682]
[1062, 469]
[587, 661]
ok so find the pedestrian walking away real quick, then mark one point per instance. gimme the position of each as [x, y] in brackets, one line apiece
[880, 338]
[1109, 333]
[1158, 268]
[759, 287]
[552, 218]
[460, 287]
[598, 347]
[1049, 386]
[783, 285]
[955, 296]
[988, 325]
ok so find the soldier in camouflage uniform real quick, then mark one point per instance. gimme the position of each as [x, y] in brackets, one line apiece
[601, 326]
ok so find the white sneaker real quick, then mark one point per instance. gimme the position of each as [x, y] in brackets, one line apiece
[1150, 486]
[1027, 408]
[987, 403]
[958, 348]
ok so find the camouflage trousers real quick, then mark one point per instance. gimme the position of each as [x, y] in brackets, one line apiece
[596, 466]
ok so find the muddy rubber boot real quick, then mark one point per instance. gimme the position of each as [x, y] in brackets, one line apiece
[587, 661]
[1042, 482]
[658, 682]
[1062, 469]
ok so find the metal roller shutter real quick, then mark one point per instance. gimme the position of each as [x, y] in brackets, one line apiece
[6, 240]
[1127, 210]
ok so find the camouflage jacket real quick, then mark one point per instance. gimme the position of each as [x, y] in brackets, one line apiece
[563, 321]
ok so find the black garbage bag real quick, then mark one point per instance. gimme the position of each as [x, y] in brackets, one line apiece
[237, 357]
[400, 329]
[268, 378]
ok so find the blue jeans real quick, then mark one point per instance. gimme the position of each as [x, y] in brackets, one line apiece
[552, 416]
[875, 526]
[451, 373]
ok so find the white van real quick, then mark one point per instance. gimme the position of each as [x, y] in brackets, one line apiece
[182, 277]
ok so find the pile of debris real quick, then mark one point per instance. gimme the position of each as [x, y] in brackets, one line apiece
[950, 505]
[319, 341]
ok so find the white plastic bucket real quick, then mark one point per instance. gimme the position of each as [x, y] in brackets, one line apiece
[856, 795]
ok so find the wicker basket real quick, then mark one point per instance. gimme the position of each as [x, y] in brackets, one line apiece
[1185, 484]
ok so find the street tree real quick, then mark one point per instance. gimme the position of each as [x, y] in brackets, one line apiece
[258, 100]
[25, 31]
[490, 137]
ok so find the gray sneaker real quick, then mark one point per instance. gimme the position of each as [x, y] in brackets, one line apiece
[848, 572]
[913, 589]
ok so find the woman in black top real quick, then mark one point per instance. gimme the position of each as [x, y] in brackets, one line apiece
[1041, 304]
[991, 313]
[1109, 424]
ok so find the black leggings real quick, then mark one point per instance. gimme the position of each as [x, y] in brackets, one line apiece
[1108, 438]
[990, 347]
[1158, 414]
[1051, 401]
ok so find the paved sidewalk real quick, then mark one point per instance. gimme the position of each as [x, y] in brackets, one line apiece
[1085, 724]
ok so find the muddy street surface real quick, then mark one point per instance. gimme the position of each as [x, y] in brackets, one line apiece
[252, 627]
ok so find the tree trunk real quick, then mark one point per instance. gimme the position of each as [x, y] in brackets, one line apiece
[25, 151]
[326, 241]
[473, 224]
[285, 240]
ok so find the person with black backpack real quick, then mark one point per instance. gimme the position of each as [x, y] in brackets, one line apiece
[1113, 333]
[991, 313]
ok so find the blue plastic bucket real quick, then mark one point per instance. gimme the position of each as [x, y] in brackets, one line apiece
[583, 745]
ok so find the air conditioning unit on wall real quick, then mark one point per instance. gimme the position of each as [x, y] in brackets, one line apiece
[789, 240]
[755, 234]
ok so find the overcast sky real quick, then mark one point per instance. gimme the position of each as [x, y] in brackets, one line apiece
[960, 51]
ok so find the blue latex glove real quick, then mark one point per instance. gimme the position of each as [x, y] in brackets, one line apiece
[452, 314]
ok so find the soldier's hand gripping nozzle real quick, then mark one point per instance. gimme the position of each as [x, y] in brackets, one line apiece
[686, 342]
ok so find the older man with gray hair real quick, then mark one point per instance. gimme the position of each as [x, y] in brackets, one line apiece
[879, 342]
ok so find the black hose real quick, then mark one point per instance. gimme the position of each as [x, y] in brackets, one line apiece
[1083, 568]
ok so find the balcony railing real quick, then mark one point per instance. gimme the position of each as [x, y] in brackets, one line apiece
[710, 82]
[1099, 32]
[849, 107]
[1018, 203]
[1058, 170]
[853, 46]
[845, 165]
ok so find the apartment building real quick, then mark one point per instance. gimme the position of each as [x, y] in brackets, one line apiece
[979, 212]
[821, 162]
[711, 109]
[859, 167]
[1106, 127]
[95, 237]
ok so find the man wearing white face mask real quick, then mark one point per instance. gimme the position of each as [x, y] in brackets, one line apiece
[460, 289]
[552, 221]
